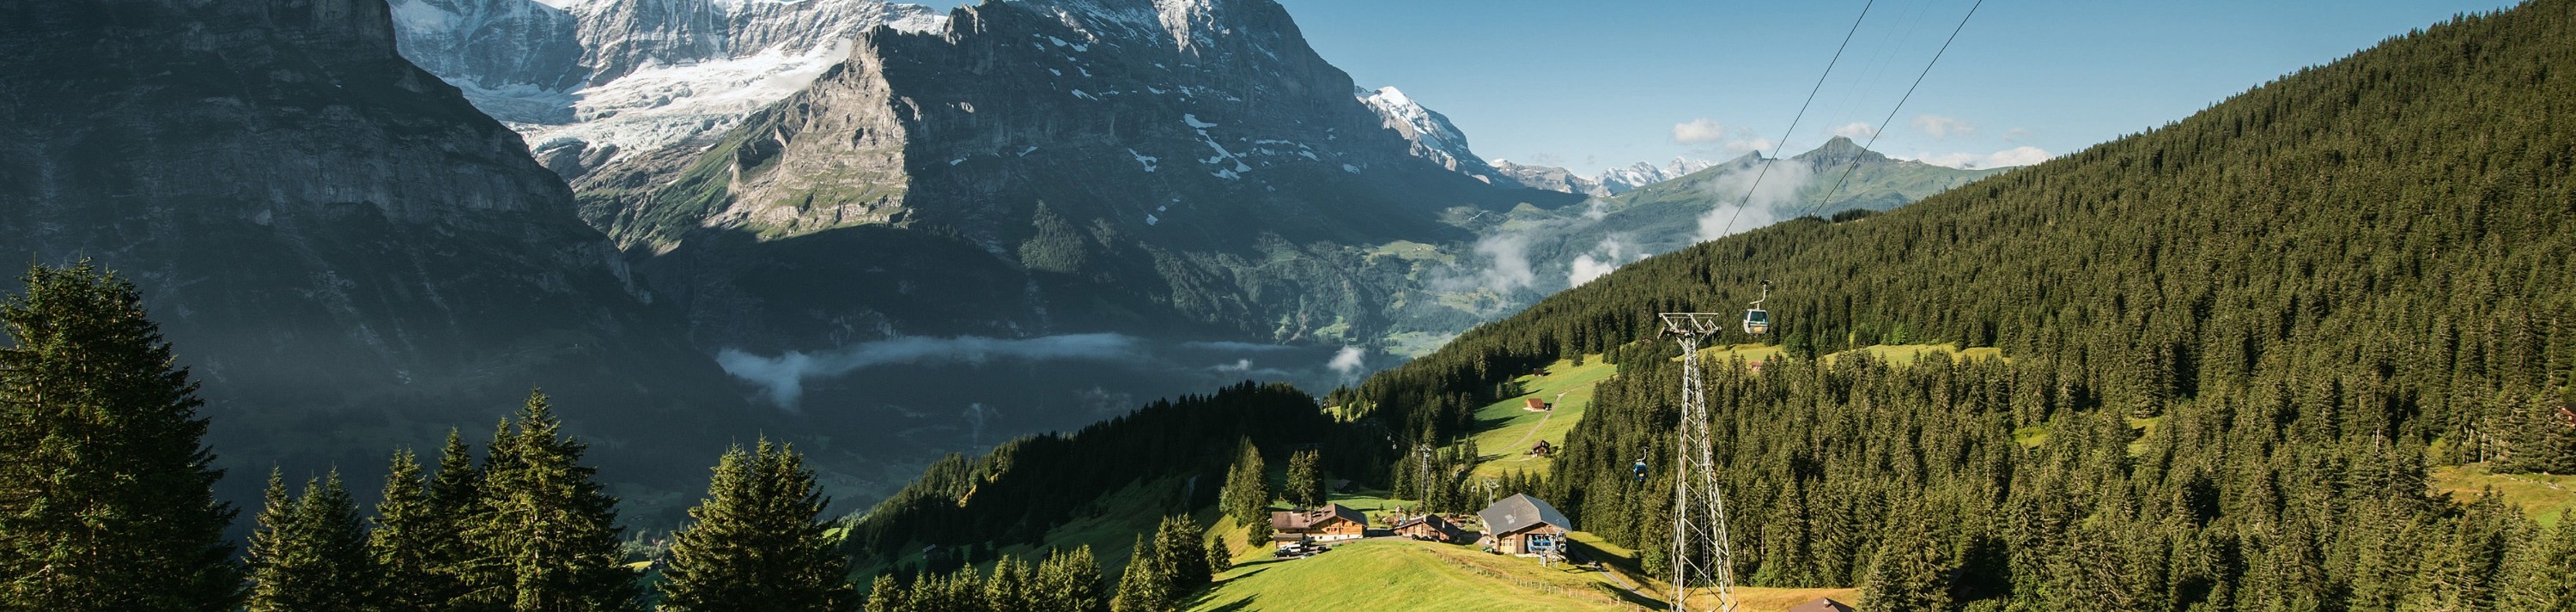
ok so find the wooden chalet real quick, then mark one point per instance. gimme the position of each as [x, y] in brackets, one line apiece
[1523, 525]
[1329, 523]
[1538, 405]
[1429, 527]
[1822, 604]
[1542, 449]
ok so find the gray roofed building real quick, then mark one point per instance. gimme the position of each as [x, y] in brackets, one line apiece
[1519, 513]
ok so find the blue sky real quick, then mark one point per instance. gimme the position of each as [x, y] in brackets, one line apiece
[1587, 85]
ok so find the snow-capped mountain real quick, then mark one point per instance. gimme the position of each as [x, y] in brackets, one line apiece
[1609, 182]
[1433, 137]
[1640, 174]
[1550, 178]
[589, 81]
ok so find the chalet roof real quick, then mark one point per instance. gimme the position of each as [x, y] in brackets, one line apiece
[1521, 512]
[1288, 520]
[1822, 604]
[1433, 519]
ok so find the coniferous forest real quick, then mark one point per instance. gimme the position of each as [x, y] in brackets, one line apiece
[2229, 354]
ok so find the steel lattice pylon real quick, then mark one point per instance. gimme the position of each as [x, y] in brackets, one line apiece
[1700, 553]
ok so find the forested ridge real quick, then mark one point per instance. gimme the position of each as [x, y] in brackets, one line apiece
[2233, 345]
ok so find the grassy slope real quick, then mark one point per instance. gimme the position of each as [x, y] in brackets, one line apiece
[2542, 497]
[1399, 575]
[1505, 431]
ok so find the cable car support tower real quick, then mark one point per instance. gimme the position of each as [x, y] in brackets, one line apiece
[1700, 554]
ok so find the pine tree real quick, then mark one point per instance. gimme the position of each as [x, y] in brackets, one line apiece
[1246, 495]
[1146, 586]
[1180, 555]
[1219, 557]
[406, 539]
[546, 529]
[1068, 581]
[455, 502]
[2544, 572]
[888, 595]
[754, 544]
[106, 499]
[1305, 486]
[1911, 572]
[310, 553]
[1008, 589]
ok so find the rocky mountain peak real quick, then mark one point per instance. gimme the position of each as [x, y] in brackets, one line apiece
[1840, 151]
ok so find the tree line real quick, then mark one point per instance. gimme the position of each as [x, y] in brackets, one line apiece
[106, 501]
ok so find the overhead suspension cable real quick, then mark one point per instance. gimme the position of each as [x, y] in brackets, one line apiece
[1801, 116]
[1891, 112]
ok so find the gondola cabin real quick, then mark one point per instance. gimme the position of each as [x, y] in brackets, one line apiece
[1757, 321]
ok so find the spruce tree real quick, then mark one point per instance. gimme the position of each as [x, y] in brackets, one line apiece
[1008, 588]
[1180, 555]
[1305, 479]
[886, 594]
[1246, 495]
[310, 554]
[106, 499]
[1911, 572]
[455, 500]
[406, 540]
[1219, 557]
[1146, 586]
[754, 544]
[1068, 581]
[546, 530]
[2544, 571]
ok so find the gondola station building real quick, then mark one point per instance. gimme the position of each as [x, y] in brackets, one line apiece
[1525, 526]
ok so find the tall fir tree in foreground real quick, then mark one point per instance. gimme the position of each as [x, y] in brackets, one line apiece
[455, 499]
[407, 541]
[754, 544]
[310, 553]
[546, 531]
[105, 485]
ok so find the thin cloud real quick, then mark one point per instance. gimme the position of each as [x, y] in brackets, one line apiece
[1856, 130]
[2016, 156]
[1699, 131]
[1943, 127]
[782, 378]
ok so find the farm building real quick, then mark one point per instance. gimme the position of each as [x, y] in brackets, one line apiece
[1822, 604]
[1523, 525]
[1538, 405]
[1326, 524]
[1428, 527]
[1542, 449]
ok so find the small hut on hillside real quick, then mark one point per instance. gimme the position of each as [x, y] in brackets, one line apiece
[1523, 525]
[1428, 527]
[1538, 405]
[1329, 523]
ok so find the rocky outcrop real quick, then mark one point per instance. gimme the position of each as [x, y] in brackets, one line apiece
[348, 254]
[591, 82]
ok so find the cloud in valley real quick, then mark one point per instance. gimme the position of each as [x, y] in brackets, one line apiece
[782, 378]
[1769, 193]
[1605, 257]
[1346, 362]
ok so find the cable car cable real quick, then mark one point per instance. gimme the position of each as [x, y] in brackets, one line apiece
[1801, 116]
[1891, 112]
